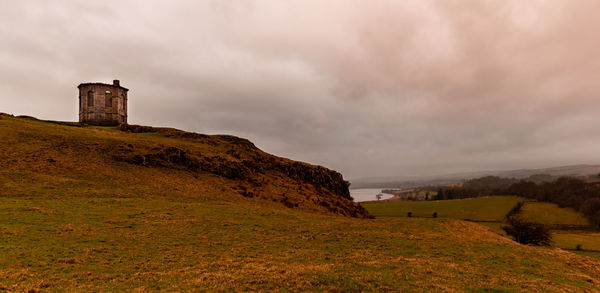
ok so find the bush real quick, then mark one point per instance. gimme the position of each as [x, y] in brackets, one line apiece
[591, 208]
[435, 214]
[409, 214]
[578, 247]
[515, 210]
[527, 232]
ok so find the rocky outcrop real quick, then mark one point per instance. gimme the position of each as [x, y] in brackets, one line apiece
[253, 168]
[176, 158]
[136, 128]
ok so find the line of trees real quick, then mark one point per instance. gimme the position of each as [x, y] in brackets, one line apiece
[565, 192]
[526, 232]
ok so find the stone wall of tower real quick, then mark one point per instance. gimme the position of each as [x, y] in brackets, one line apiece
[102, 104]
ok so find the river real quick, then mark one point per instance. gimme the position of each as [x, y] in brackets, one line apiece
[367, 194]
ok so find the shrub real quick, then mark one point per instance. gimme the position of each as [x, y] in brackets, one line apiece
[591, 208]
[409, 214]
[435, 214]
[515, 210]
[527, 232]
[578, 247]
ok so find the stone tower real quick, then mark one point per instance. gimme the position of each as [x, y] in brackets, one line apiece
[102, 104]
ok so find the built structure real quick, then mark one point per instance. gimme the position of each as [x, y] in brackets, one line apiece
[102, 104]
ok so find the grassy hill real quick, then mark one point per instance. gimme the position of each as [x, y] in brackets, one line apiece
[107, 209]
[49, 159]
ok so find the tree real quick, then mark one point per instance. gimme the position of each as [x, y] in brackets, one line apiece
[526, 232]
[591, 208]
[379, 196]
[440, 195]
[515, 210]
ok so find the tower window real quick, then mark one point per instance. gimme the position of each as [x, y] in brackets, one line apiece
[108, 98]
[90, 99]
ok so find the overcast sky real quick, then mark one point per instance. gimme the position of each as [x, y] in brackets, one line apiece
[368, 88]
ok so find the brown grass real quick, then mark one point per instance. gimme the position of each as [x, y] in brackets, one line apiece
[84, 221]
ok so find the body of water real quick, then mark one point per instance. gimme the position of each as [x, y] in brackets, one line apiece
[367, 194]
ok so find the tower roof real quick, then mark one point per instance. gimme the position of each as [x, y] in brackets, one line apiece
[103, 84]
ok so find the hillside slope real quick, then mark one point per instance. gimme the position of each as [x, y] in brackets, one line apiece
[101, 209]
[104, 161]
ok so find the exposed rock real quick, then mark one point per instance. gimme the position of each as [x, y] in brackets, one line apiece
[329, 185]
[136, 128]
[316, 175]
[169, 132]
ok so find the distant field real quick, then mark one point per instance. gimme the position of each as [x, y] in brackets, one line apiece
[491, 211]
[595, 255]
[551, 214]
[493, 208]
[570, 240]
[588, 241]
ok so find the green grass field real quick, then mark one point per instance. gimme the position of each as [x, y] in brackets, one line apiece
[551, 214]
[490, 211]
[492, 208]
[570, 240]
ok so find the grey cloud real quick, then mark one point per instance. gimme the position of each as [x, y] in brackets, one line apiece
[367, 88]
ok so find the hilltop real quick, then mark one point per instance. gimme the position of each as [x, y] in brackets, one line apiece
[149, 209]
[135, 160]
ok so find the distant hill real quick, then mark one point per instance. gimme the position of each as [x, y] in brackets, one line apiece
[417, 181]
